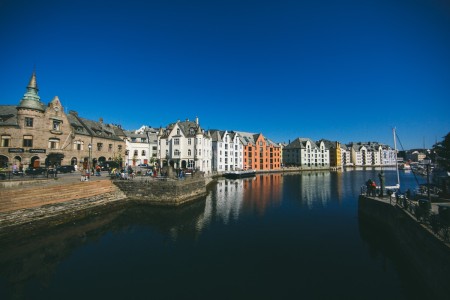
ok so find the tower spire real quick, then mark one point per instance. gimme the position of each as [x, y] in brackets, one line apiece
[31, 99]
[33, 83]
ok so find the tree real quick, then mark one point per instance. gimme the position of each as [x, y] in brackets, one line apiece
[442, 150]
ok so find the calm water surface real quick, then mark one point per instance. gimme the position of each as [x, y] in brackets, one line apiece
[271, 237]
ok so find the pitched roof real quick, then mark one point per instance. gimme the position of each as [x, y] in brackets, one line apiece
[8, 115]
[300, 143]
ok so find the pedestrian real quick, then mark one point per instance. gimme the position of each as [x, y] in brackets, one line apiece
[374, 188]
[369, 187]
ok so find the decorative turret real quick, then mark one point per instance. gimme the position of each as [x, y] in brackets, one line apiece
[31, 99]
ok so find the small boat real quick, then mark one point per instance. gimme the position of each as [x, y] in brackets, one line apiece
[239, 174]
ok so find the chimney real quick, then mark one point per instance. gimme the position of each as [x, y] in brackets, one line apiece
[196, 120]
[100, 120]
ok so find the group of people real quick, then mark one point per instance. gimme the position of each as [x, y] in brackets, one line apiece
[371, 187]
[123, 174]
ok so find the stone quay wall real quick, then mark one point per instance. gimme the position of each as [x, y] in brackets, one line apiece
[165, 192]
[429, 255]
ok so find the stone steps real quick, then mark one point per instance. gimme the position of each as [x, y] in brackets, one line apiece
[43, 195]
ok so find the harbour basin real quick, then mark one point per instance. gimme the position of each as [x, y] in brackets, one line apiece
[273, 236]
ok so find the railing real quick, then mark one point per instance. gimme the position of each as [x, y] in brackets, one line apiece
[19, 175]
[438, 224]
[420, 210]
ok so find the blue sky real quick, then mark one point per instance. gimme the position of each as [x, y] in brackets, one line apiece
[343, 70]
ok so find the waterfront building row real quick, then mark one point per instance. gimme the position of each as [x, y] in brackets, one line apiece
[34, 134]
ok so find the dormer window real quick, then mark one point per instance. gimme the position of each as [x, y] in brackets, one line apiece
[191, 130]
[178, 131]
[56, 125]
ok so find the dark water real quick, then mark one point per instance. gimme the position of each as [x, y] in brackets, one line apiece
[271, 237]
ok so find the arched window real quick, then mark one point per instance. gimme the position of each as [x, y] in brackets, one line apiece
[177, 152]
[189, 152]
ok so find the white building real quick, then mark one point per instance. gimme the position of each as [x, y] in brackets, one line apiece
[141, 146]
[369, 154]
[185, 145]
[227, 151]
[304, 153]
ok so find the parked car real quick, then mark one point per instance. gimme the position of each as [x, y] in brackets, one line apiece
[144, 166]
[109, 165]
[35, 171]
[66, 169]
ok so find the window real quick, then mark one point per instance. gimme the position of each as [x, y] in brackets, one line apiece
[53, 143]
[177, 152]
[6, 140]
[110, 147]
[178, 131]
[28, 122]
[119, 148]
[143, 153]
[56, 125]
[176, 141]
[27, 141]
[135, 153]
[189, 141]
[189, 152]
[99, 146]
[78, 145]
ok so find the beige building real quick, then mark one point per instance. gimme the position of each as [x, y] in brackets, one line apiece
[36, 135]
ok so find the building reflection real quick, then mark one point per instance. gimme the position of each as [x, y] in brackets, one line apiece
[311, 189]
[262, 192]
[231, 198]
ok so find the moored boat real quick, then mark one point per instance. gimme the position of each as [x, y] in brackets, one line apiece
[239, 174]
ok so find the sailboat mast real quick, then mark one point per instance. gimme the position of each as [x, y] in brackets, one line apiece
[396, 159]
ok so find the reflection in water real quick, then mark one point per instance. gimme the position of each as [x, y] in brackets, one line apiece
[266, 237]
[311, 188]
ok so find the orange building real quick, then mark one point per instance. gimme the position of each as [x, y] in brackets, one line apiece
[260, 153]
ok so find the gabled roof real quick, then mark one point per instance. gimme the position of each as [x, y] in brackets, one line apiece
[246, 138]
[185, 127]
[300, 143]
[94, 128]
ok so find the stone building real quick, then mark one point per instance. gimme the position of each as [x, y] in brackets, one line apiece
[36, 135]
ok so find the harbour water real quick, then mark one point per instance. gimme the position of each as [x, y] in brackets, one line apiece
[274, 236]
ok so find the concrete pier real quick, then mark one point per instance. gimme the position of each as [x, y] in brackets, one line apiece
[427, 252]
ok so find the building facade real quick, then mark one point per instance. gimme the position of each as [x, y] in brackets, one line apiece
[259, 153]
[185, 145]
[227, 151]
[141, 146]
[36, 135]
[304, 153]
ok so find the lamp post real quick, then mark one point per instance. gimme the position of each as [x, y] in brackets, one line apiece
[89, 162]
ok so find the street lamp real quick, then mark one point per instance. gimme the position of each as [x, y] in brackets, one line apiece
[89, 162]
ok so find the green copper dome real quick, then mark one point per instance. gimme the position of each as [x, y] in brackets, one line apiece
[31, 99]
